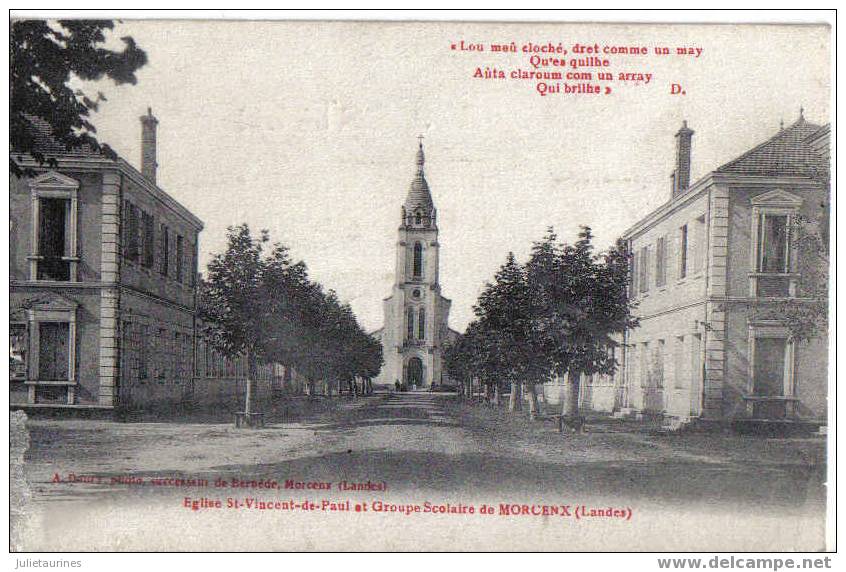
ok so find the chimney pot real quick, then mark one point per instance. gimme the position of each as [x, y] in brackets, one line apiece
[681, 173]
[148, 145]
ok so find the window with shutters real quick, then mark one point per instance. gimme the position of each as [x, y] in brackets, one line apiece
[131, 235]
[148, 240]
[683, 245]
[661, 261]
[644, 269]
[180, 258]
[635, 269]
[164, 254]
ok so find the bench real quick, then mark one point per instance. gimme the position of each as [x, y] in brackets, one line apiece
[564, 421]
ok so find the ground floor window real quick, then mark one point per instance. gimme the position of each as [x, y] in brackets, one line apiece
[18, 351]
[770, 388]
[768, 377]
[54, 351]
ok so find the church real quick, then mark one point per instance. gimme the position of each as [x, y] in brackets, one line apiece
[416, 324]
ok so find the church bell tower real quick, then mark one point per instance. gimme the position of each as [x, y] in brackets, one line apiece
[416, 315]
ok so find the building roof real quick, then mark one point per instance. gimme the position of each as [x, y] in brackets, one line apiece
[788, 152]
[419, 196]
[43, 141]
[800, 150]
[41, 133]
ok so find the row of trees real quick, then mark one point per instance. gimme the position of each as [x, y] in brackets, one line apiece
[556, 315]
[257, 302]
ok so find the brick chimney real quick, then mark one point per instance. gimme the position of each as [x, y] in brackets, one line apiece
[148, 145]
[681, 173]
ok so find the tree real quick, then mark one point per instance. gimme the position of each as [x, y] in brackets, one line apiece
[807, 316]
[582, 301]
[250, 302]
[45, 58]
[466, 357]
[514, 353]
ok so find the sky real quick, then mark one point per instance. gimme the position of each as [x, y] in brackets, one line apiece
[309, 129]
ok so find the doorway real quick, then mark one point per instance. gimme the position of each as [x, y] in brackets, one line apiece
[414, 372]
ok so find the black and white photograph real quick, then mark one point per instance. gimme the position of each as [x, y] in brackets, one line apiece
[282, 283]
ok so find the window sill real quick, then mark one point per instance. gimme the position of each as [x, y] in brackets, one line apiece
[774, 275]
[49, 382]
[770, 398]
[64, 258]
[45, 281]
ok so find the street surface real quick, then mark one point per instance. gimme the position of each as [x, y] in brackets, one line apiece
[103, 484]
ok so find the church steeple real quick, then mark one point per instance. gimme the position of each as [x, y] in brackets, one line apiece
[419, 209]
[416, 314]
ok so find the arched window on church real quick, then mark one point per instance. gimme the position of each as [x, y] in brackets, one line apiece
[421, 324]
[418, 218]
[418, 260]
[410, 324]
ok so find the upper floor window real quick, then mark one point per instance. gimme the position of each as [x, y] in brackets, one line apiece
[773, 243]
[635, 273]
[683, 247]
[180, 258]
[418, 218]
[131, 231]
[661, 261]
[148, 239]
[410, 324]
[164, 257]
[644, 269]
[54, 228]
[771, 261]
[417, 268]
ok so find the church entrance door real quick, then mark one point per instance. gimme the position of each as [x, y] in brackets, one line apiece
[414, 373]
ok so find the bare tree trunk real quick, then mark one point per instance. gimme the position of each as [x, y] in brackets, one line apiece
[571, 410]
[495, 399]
[515, 401]
[251, 377]
[534, 407]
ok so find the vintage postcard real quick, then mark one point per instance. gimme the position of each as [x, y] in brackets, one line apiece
[334, 285]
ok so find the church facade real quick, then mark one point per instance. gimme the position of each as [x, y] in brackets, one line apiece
[416, 315]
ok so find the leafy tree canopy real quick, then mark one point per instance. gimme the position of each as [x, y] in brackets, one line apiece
[45, 57]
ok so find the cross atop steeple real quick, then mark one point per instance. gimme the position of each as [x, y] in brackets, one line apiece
[421, 159]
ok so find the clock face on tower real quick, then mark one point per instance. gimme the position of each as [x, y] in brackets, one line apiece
[415, 293]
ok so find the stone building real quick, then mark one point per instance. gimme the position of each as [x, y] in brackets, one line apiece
[103, 265]
[416, 323]
[710, 269]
